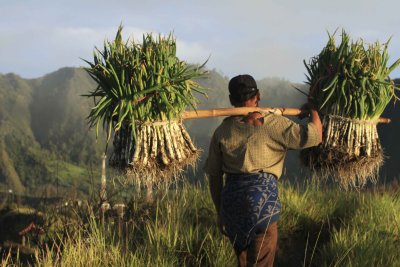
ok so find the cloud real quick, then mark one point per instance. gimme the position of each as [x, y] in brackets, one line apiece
[39, 50]
[262, 37]
[276, 60]
[192, 52]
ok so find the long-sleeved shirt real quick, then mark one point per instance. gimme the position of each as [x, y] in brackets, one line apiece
[237, 147]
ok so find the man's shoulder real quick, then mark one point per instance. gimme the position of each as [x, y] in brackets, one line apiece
[224, 126]
[275, 119]
[228, 121]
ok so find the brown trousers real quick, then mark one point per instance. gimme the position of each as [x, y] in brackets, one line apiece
[261, 252]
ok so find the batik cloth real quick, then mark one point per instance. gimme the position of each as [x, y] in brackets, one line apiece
[249, 203]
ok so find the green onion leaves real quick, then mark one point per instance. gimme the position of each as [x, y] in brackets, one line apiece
[142, 91]
[351, 86]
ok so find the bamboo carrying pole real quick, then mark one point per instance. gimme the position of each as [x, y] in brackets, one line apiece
[207, 113]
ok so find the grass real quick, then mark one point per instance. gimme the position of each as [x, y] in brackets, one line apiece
[318, 227]
[373, 234]
[69, 174]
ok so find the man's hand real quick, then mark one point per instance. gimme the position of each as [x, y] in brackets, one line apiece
[254, 118]
[314, 117]
[307, 108]
[305, 111]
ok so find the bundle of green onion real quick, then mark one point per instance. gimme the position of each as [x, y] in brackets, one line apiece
[142, 91]
[351, 86]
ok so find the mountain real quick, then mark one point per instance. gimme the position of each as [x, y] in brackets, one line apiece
[44, 138]
[15, 96]
[58, 115]
[45, 141]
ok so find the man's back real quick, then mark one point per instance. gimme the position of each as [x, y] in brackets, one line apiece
[257, 144]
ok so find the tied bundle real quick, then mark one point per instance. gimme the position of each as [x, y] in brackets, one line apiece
[142, 91]
[350, 85]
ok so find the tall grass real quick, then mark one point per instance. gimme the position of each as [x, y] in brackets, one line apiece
[371, 236]
[318, 227]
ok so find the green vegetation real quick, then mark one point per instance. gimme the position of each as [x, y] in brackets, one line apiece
[140, 82]
[351, 86]
[142, 91]
[351, 79]
[42, 121]
[318, 227]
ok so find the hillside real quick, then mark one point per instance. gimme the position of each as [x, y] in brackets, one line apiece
[44, 138]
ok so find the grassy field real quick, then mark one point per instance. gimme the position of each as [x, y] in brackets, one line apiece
[318, 227]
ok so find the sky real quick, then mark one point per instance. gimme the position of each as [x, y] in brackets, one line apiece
[268, 38]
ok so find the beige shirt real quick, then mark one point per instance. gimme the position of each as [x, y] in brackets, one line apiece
[237, 147]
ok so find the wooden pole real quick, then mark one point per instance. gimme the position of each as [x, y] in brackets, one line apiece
[104, 205]
[103, 183]
[207, 113]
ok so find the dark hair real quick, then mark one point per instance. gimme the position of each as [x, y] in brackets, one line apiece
[242, 98]
[242, 88]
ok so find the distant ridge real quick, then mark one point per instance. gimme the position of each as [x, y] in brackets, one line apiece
[45, 140]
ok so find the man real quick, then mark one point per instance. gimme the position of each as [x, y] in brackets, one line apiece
[250, 152]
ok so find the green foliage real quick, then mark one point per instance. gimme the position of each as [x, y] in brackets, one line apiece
[351, 86]
[140, 82]
[372, 236]
[351, 79]
[317, 227]
[43, 121]
[58, 116]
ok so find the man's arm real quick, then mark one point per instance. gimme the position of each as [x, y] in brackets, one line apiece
[216, 184]
[213, 169]
[311, 109]
[314, 118]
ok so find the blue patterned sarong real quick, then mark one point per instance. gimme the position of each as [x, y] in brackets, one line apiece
[249, 204]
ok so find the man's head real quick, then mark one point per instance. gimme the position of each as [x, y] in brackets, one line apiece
[243, 91]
